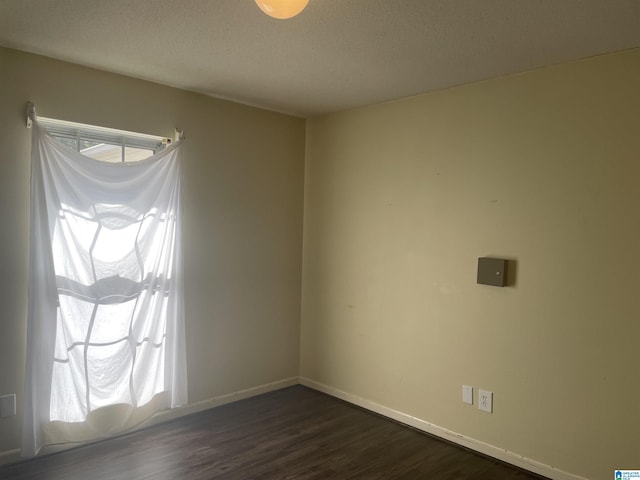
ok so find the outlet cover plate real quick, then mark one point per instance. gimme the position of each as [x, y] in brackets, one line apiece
[485, 401]
[467, 394]
[8, 405]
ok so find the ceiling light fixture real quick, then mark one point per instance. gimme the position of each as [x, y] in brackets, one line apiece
[282, 9]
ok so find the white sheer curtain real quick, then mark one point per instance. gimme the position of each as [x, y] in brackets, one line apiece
[106, 315]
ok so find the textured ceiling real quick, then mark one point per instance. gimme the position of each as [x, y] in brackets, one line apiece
[336, 55]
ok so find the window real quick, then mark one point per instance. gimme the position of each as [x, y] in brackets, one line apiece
[104, 257]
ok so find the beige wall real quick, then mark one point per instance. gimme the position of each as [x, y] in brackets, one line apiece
[400, 201]
[243, 193]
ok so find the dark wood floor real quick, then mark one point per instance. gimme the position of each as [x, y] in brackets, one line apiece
[294, 433]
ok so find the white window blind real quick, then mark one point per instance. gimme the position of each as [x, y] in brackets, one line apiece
[81, 131]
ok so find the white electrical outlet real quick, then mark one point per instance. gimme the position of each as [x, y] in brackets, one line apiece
[485, 401]
[8, 405]
[467, 394]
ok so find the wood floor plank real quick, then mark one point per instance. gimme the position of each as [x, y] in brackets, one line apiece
[295, 434]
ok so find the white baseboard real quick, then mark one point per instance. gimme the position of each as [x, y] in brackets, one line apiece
[473, 444]
[512, 458]
[220, 400]
[11, 456]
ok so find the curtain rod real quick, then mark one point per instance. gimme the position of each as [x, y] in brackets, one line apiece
[31, 117]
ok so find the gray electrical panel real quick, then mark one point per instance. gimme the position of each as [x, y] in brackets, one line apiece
[492, 271]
